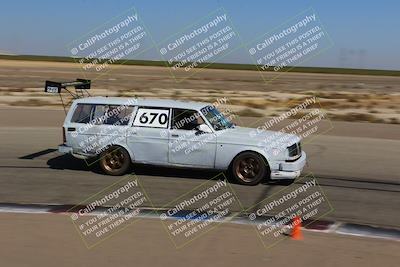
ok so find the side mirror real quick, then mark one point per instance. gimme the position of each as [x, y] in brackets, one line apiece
[203, 128]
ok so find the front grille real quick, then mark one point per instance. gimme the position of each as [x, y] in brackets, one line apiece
[294, 150]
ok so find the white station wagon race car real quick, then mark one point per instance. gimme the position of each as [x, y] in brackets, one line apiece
[118, 131]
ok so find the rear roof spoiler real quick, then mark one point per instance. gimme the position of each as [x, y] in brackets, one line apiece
[80, 85]
[56, 87]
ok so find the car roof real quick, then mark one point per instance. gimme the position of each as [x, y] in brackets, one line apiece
[153, 102]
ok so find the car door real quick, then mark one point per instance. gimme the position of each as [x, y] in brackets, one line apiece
[188, 145]
[114, 125]
[148, 137]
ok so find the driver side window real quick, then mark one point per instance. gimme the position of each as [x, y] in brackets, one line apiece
[186, 119]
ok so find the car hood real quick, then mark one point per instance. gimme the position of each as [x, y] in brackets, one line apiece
[255, 137]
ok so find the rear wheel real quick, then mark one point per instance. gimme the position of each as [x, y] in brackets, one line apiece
[115, 161]
[249, 168]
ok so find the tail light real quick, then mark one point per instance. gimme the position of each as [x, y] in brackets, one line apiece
[64, 137]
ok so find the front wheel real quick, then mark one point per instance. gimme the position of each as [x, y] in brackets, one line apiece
[115, 161]
[249, 168]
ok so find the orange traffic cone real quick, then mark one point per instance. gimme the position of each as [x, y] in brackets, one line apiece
[296, 230]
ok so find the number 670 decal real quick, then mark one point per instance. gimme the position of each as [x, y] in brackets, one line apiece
[151, 117]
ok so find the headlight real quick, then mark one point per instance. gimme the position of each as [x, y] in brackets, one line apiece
[294, 150]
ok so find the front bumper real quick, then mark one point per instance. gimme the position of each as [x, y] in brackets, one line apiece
[290, 170]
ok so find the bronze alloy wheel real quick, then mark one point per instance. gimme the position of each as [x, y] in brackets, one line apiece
[115, 161]
[249, 168]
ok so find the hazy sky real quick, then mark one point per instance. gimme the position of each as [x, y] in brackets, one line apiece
[365, 33]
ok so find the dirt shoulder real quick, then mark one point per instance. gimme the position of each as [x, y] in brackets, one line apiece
[344, 97]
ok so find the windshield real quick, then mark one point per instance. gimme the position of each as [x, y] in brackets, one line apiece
[217, 119]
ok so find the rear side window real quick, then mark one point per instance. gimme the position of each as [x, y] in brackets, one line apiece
[102, 114]
[98, 112]
[118, 115]
[82, 113]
